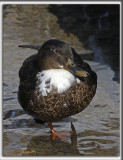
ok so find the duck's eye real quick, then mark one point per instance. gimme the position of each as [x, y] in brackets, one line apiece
[56, 50]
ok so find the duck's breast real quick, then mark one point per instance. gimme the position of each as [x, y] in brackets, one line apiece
[58, 94]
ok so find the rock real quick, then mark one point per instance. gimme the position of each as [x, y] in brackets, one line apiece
[86, 54]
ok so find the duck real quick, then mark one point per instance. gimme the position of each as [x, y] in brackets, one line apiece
[55, 83]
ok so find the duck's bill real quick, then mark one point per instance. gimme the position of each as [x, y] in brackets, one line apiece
[73, 68]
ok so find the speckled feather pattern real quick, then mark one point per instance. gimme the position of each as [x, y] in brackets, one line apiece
[55, 106]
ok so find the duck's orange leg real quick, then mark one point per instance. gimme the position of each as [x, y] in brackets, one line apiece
[51, 127]
[57, 134]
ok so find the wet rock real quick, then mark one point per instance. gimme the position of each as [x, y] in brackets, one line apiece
[86, 54]
[4, 84]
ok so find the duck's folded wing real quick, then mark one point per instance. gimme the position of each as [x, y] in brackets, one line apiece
[27, 75]
[29, 68]
[78, 60]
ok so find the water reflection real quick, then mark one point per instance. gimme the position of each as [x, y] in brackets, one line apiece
[44, 146]
[20, 132]
[89, 145]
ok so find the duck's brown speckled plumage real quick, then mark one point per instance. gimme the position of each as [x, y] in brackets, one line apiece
[54, 106]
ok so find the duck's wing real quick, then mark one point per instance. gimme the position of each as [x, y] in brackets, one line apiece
[29, 68]
[27, 75]
[30, 46]
[92, 78]
[78, 60]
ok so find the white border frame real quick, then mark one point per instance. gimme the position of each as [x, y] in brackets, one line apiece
[60, 2]
[1, 29]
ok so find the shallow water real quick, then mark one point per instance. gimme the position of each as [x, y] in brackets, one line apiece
[95, 130]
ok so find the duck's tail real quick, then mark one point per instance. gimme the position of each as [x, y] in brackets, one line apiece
[29, 46]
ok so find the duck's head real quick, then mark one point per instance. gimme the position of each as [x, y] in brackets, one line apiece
[56, 54]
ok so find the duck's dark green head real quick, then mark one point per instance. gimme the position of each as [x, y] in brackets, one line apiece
[55, 54]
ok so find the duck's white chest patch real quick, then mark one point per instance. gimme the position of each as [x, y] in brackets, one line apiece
[58, 78]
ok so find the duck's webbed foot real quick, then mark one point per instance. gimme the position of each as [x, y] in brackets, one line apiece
[61, 135]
